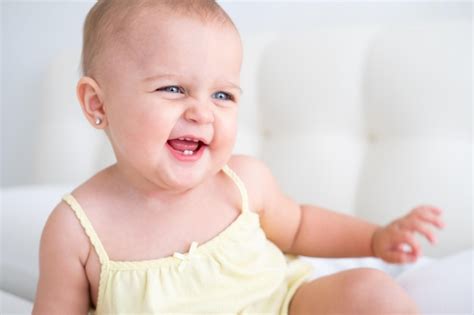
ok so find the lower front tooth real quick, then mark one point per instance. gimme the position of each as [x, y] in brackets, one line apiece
[187, 152]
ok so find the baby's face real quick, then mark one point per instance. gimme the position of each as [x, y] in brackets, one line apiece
[171, 97]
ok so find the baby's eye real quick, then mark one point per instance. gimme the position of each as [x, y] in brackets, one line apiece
[172, 89]
[223, 96]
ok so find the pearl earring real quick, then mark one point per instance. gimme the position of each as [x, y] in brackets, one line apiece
[98, 121]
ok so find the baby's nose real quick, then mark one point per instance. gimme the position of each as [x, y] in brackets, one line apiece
[200, 113]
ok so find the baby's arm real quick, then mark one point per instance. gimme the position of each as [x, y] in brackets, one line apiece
[303, 230]
[314, 231]
[63, 287]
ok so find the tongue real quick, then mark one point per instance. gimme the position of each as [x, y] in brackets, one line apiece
[182, 145]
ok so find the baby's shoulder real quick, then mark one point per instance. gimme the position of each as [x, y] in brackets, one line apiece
[254, 173]
[249, 168]
[62, 232]
[63, 227]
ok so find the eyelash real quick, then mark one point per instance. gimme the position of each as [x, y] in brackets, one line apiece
[229, 97]
[166, 89]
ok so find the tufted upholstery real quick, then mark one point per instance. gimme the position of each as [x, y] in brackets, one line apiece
[372, 121]
[362, 120]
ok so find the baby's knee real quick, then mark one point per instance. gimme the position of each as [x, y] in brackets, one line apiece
[377, 292]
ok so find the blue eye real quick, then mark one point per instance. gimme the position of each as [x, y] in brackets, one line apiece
[172, 89]
[223, 96]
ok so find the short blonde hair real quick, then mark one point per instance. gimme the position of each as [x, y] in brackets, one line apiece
[108, 18]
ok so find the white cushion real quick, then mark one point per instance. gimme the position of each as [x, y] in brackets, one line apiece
[25, 210]
[418, 112]
[12, 304]
[444, 286]
[373, 122]
[326, 266]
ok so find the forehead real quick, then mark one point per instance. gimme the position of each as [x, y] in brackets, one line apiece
[157, 41]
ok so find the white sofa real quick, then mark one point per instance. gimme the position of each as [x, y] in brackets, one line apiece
[366, 121]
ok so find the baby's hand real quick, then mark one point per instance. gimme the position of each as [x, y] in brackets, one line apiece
[395, 243]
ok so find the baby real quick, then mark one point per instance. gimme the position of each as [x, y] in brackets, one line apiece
[178, 224]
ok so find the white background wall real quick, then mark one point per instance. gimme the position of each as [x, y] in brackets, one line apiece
[34, 32]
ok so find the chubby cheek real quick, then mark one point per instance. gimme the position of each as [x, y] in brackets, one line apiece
[141, 133]
[225, 134]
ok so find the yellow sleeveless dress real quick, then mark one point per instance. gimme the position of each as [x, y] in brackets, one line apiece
[239, 271]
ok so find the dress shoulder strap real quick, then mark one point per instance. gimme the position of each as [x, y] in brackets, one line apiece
[86, 224]
[240, 185]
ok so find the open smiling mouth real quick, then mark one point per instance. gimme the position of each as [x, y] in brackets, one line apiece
[186, 148]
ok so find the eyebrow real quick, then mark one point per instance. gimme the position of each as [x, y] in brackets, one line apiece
[171, 76]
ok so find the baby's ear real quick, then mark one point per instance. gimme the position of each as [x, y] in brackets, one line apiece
[89, 95]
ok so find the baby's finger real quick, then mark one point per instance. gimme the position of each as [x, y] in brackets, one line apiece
[398, 256]
[430, 208]
[404, 239]
[429, 214]
[420, 227]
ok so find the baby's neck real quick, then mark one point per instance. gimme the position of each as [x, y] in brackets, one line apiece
[146, 194]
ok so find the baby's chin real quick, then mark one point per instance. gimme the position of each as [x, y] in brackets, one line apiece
[183, 177]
